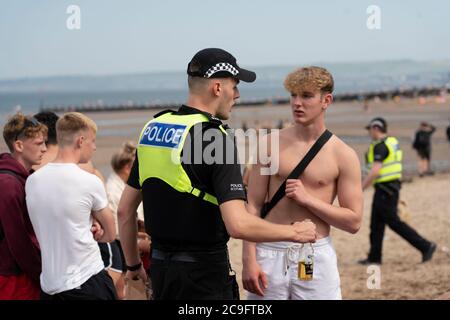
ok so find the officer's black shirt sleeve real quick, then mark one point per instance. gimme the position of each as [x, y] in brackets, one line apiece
[133, 179]
[380, 152]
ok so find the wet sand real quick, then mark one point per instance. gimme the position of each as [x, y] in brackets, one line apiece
[346, 120]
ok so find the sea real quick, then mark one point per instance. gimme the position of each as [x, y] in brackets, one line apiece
[29, 95]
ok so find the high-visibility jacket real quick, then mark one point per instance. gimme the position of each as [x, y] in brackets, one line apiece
[159, 152]
[391, 166]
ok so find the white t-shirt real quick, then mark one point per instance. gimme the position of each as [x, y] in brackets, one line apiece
[60, 198]
[114, 189]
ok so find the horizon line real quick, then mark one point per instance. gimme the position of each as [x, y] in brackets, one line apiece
[318, 63]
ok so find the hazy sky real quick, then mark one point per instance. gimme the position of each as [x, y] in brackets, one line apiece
[145, 36]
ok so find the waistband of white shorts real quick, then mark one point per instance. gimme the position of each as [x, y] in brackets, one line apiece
[283, 245]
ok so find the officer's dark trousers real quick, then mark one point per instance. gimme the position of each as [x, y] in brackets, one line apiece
[189, 276]
[384, 211]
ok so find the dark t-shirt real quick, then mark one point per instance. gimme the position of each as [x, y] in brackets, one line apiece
[422, 139]
[380, 152]
[180, 221]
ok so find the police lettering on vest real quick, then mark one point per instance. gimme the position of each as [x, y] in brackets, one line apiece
[162, 135]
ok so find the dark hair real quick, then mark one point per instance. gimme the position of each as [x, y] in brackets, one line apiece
[49, 119]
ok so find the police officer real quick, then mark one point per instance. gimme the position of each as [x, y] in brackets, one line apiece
[384, 162]
[193, 195]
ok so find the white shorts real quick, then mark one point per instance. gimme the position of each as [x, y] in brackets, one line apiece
[280, 265]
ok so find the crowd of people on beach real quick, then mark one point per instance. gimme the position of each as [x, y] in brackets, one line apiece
[22, 254]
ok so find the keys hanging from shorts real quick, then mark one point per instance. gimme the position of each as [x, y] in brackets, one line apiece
[306, 263]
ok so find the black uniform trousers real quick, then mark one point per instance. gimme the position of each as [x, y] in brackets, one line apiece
[384, 212]
[192, 276]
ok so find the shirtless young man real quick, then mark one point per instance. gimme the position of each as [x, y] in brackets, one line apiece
[270, 270]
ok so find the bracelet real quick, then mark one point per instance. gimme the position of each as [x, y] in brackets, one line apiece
[135, 267]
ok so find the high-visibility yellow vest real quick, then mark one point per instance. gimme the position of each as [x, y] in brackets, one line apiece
[159, 152]
[391, 166]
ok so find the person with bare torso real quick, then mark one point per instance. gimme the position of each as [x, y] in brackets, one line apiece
[270, 270]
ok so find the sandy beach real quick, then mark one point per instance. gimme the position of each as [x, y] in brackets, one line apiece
[346, 120]
[427, 198]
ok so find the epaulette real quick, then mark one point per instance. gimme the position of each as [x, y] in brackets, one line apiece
[162, 112]
[215, 121]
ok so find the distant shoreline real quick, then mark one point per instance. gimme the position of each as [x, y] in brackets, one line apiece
[382, 95]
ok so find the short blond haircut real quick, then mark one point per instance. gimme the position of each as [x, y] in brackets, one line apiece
[20, 125]
[124, 156]
[70, 124]
[198, 85]
[309, 79]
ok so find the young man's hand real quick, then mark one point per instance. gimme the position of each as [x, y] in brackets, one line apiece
[296, 191]
[136, 275]
[253, 278]
[97, 230]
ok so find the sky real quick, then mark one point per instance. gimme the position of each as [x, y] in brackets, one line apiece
[138, 36]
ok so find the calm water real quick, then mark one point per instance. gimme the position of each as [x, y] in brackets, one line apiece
[29, 95]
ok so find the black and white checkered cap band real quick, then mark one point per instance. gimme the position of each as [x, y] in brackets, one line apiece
[222, 66]
[377, 123]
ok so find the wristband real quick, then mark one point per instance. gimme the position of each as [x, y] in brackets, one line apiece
[135, 267]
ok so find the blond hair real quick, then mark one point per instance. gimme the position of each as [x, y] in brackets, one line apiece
[70, 124]
[124, 156]
[20, 125]
[309, 78]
